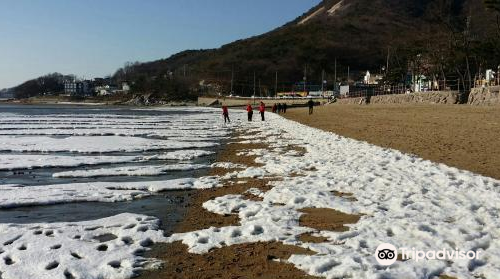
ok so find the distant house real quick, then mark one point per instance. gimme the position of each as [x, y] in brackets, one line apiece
[78, 88]
[372, 79]
[125, 87]
[344, 90]
[105, 90]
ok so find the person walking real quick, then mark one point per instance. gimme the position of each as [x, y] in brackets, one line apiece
[311, 106]
[250, 112]
[274, 109]
[280, 108]
[262, 110]
[284, 107]
[225, 112]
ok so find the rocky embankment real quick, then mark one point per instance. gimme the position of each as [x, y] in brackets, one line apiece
[485, 96]
[444, 97]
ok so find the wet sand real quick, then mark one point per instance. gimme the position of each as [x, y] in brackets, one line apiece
[254, 260]
[460, 136]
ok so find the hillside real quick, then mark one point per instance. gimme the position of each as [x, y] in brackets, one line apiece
[361, 34]
[441, 38]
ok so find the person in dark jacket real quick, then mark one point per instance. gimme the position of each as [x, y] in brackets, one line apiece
[275, 107]
[285, 106]
[262, 110]
[250, 112]
[280, 108]
[310, 104]
[225, 112]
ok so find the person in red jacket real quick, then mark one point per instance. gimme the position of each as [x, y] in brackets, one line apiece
[262, 110]
[275, 108]
[250, 112]
[225, 112]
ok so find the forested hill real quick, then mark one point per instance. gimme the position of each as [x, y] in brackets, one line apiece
[361, 34]
[442, 38]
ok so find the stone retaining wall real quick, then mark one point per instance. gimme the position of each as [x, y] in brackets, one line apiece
[431, 97]
[485, 96]
[352, 101]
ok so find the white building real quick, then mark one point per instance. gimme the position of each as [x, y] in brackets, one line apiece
[125, 87]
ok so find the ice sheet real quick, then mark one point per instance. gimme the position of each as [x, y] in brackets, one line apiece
[96, 144]
[129, 171]
[23, 161]
[17, 196]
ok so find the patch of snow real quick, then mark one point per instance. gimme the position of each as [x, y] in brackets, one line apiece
[23, 161]
[15, 196]
[73, 250]
[184, 155]
[311, 16]
[228, 165]
[336, 8]
[129, 171]
[97, 144]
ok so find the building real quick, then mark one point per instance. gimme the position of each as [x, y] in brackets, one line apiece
[78, 88]
[125, 87]
[372, 79]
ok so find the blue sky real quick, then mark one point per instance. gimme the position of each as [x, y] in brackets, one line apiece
[94, 37]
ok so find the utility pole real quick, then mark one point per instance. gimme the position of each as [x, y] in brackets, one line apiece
[184, 70]
[348, 74]
[232, 80]
[276, 85]
[305, 78]
[335, 77]
[254, 84]
[260, 90]
[323, 82]
[387, 62]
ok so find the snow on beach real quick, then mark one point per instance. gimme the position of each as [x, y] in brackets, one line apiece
[12, 196]
[402, 200]
[93, 144]
[106, 248]
[25, 161]
[130, 171]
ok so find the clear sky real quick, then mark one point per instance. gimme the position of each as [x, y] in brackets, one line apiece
[92, 38]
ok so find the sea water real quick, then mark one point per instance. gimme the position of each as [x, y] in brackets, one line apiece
[47, 145]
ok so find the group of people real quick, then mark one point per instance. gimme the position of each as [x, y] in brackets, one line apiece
[280, 108]
[277, 108]
[262, 110]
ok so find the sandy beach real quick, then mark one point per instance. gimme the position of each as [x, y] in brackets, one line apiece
[441, 129]
[461, 136]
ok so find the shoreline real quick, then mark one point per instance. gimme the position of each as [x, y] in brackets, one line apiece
[91, 102]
